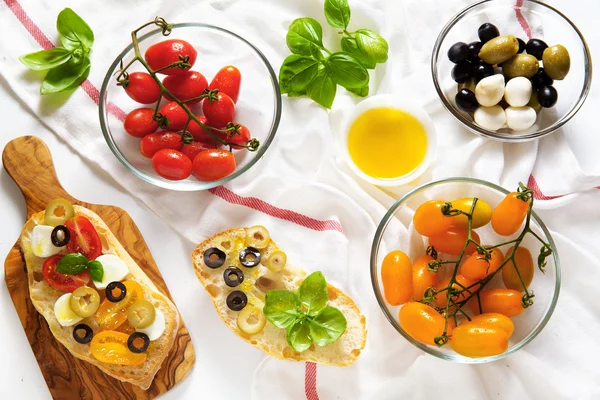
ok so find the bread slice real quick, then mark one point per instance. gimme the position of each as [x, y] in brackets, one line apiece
[257, 281]
[43, 296]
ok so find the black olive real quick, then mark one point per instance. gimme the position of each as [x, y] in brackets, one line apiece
[233, 276]
[487, 32]
[249, 257]
[111, 287]
[474, 48]
[85, 339]
[522, 45]
[237, 300]
[214, 258]
[462, 71]
[132, 339]
[60, 240]
[541, 78]
[458, 52]
[466, 101]
[547, 96]
[482, 70]
[536, 48]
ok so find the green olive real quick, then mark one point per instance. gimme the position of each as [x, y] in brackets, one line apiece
[534, 103]
[470, 85]
[557, 62]
[85, 301]
[277, 261]
[258, 237]
[251, 320]
[499, 49]
[141, 314]
[520, 65]
[58, 212]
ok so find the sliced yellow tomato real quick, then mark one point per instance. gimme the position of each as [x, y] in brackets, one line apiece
[112, 315]
[111, 347]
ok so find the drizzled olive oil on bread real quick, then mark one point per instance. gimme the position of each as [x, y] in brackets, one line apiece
[387, 143]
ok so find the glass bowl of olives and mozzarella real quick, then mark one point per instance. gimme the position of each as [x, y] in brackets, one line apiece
[511, 72]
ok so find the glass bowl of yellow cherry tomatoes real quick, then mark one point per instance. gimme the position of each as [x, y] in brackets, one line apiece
[465, 270]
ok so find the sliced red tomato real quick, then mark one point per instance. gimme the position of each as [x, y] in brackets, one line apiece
[84, 237]
[66, 283]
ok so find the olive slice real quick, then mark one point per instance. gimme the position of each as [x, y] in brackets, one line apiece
[60, 236]
[249, 257]
[110, 291]
[133, 342]
[233, 276]
[84, 301]
[88, 334]
[141, 314]
[277, 261]
[251, 320]
[258, 237]
[214, 258]
[58, 212]
[237, 300]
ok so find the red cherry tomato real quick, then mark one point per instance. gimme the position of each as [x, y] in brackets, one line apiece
[227, 81]
[167, 52]
[240, 139]
[199, 134]
[172, 164]
[212, 165]
[84, 237]
[192, 149]
[219, 112]
[143, 88]
[176, 115]
[154, 142]
[186, 86]
[139, 122]
[66, 283]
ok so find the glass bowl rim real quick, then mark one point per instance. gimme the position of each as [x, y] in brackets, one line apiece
[391, 318]
[505, 137]
[201, 185]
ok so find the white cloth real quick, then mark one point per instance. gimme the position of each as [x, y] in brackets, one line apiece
[303, 172]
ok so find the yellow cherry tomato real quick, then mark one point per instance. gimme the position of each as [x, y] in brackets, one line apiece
[524, 263]
[481, 215]
[474, 340]
[112, 315]
[494, 320]
[508, 217]
[429, 220]
[422, 277]
[422, 322]
[397, 278]
[441, 298]
[453, 240]
[477, 267]
[111, 347]
[502, 301]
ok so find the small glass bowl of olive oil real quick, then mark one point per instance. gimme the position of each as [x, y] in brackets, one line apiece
[388, 141]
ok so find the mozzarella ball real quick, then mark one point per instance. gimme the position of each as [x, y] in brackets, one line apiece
[489, 91]
[520, 118]
[517, 92]
[492, 118]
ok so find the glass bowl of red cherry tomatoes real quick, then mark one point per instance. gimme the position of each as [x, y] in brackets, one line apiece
[189, 106]
[465, 270]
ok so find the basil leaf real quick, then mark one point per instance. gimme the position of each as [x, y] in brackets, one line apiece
[349, 44]
[46, 59]
[337, 13]
[72, 264]
[313, 293]
[362, 92]
[297, 72]
[65, 76]
[96, 270]
[372, 44]
[346, 70]
[298, 336]
[327, 326]
[305, 37]
[281, 308]
[322, 89]
[74, 32]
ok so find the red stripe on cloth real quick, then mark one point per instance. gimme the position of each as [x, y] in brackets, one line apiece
[31, 27]
[537, 192]
[310, 381]
[522, 21]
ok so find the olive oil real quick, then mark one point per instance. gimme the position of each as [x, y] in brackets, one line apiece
[387, 143]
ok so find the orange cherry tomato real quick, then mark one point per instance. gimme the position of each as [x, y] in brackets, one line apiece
[111, 347]
[508, 217]
[502, 301]
[453, 240]
[112, 315]
[494, 320]
[396, 274]
[422, 322]
[474, 340]
[429, 220]
[422, 278]
[440, 299]
[524, 262]
[477, 267]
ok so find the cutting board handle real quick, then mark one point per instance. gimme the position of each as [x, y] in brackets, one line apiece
[28, 161]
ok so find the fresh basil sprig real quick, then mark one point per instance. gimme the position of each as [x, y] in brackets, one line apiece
[314, 71]
[305, 315]
[75, 263]
[68, 65]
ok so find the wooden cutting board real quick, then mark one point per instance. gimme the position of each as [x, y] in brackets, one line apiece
[28, 161]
